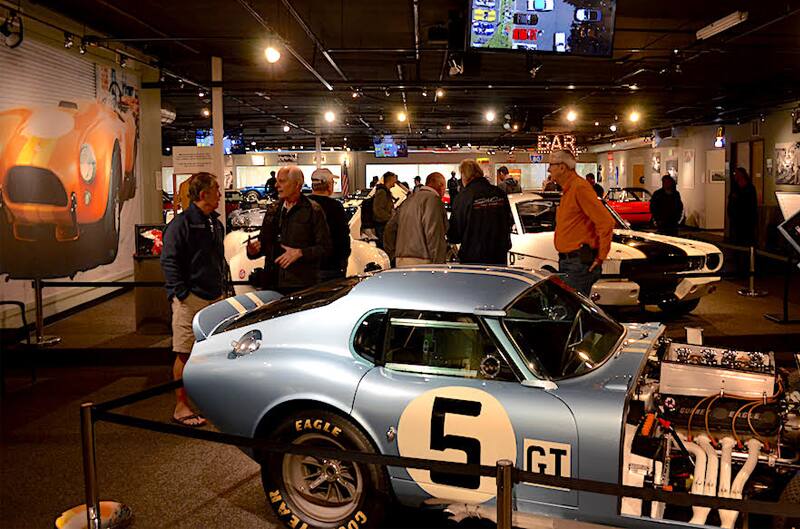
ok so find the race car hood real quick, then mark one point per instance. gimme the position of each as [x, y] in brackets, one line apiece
[653, 243]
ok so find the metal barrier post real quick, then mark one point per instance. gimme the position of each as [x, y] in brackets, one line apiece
[89, 467]
[505, 488]
[752, 292]
[41, 339]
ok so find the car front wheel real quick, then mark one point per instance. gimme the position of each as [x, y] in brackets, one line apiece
[677, 308]
[322, 492]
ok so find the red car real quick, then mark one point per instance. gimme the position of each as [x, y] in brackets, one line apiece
[632, 203]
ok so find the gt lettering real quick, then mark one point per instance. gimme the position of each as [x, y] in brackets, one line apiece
[317, 424]
[544, 457]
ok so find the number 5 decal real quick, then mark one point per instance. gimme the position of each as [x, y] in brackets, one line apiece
[460, 424]
[439, 441]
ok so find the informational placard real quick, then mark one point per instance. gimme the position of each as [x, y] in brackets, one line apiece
[188, 160]
[287, 158]
[789, 202]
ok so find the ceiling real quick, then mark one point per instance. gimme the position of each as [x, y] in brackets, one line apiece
[395, 54]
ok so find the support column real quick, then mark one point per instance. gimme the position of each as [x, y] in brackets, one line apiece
[318, 145]
[148, 189]
[217, 116]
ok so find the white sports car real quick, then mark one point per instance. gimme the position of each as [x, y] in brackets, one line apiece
[364, 257]
[642, 268]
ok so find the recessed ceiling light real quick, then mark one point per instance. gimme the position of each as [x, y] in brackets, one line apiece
[613, 127]
[596, 123]
[272, 55]
[447, 126]
[490, 115]
[634, 116]
[571, 87]
[286, 128]
[330, 117]
[401, 116]
[572, 115]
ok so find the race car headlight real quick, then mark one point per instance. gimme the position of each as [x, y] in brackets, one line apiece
[88, 163]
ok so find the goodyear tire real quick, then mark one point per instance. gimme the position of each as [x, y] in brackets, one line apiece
[252, 196]
[307, 492]
[790, 495]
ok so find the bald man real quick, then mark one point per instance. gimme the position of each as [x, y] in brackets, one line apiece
[415, 235]
[294, 237]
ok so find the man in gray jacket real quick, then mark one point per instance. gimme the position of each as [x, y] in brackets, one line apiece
[416, 233]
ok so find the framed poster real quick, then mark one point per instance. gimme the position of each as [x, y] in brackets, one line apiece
[671, 168]
[787, 163]
[687, 169]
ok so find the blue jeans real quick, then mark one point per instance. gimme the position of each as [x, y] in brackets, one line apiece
[577, 275]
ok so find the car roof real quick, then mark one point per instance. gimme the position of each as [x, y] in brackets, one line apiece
[451, 288]
[525, 196]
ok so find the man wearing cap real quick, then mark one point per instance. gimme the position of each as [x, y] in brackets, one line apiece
[416, 233]
[333, 265]
[583, 226]
[506, 182]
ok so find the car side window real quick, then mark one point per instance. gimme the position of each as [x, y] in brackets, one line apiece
[537, 215]
[369, 337]
[442, 343]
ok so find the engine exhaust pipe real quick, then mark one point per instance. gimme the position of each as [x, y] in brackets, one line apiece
[753, 448]
[700, 514]
[699, 480]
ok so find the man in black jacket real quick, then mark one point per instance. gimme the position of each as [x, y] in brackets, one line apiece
[193, 260]
[481, 220]
[294, 237]
[333, 266]
[666, 207]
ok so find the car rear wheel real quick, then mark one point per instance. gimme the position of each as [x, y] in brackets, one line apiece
[322, 492]
[677, 308]
[790, 495]
[251, 196]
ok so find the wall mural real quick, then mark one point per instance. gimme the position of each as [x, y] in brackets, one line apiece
[66, 172]
[787, 163]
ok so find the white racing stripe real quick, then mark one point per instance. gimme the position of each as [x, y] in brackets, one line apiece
[255, 299]
[236, 305]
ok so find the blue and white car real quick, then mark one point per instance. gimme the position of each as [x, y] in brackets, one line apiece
[451, 363]
[483, 28]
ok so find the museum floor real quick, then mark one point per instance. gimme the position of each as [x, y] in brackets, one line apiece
[181, 483]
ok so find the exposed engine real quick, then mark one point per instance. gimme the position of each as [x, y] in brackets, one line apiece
[711, 422]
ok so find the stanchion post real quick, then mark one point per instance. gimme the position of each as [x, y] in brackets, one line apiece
[41, 339]
[505, 488]
[752, 292]
[89, 467]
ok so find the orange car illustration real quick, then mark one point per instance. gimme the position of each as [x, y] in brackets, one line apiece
[65, 171]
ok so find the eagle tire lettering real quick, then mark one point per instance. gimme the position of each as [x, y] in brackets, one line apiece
[347, 496]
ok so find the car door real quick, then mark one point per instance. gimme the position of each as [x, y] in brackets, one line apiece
[445, 389]
[532, 244]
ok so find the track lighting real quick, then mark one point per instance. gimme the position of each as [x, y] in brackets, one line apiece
[272, 55]
[69, 42]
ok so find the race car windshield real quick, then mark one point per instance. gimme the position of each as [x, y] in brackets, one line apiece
[560, 334]
[540, 215]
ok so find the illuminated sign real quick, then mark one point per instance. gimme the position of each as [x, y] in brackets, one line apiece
[719, 138]
[558, 142]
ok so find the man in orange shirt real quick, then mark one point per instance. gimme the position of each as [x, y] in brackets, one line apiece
[583, 225]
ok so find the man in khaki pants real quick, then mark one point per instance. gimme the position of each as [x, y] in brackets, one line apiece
[193, 260]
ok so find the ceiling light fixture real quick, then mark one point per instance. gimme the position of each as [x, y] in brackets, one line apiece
[82, 47]
[272, 55]
[123, 61]
[401, 117]
[68, 40]
[596, 123]
[286, 128]
[723, 24]
[490, 115]
[447, 126]
[515, 126]
[355, 94]
[634, 116]
[424, 93]
[572, 116]
[201, 94]
[206, 112]
[613, 127]
[330, 117]
[571, 87]
[253, 143]
[439, 93]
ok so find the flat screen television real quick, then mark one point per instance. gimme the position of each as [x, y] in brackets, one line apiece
[389, 147]
[579, 27]
[231, 143]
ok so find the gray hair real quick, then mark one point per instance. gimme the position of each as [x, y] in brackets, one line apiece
[200, 182]
[470, 170]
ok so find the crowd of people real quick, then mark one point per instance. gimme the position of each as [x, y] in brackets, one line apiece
[305, 240]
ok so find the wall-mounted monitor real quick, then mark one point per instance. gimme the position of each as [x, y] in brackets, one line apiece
[578, 27]
[389, 147]
[231, 143]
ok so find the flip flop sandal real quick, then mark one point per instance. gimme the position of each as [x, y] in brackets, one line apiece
[185, 420]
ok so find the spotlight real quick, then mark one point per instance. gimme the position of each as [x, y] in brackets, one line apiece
[634, 116]
[11, 30]
[286, 128]
[123, 61]
[330, 117]
[490, 115]
[68, 40]
[253, 143]
[180, 84]
[272, 55]
[169, 149]
[387, 92]
[634, 86]
[82, 47]
[572, 116]
[613, 127]
[401, 117]
[507, 125]
[206, 112]
[201, 94]
[424, 93]
[355, 94]
[571, 87]
[515, 126]
[439, 93]
[596, 123]
[447, 126]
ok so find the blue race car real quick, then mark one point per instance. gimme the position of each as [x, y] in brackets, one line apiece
[473, 364]
[482, 28]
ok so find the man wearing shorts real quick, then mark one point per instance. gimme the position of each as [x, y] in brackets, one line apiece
[193, 260]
